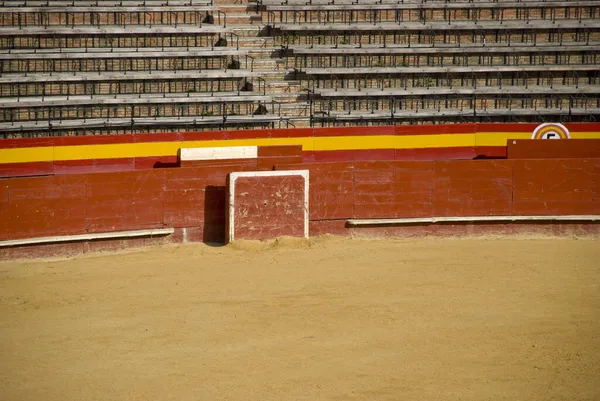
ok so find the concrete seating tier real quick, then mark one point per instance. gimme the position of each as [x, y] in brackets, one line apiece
[466, 3]
[100, 16]
[28, 129]
[86, 107]
[450, 77]
[111, 83]
[396, 55]
[458, 34]
[480, 98]
[103, 3]
[300, 13]
[148, 59]
[69, 67]
[115, 30]
[441, 26]
[449, 116]
[131, 42]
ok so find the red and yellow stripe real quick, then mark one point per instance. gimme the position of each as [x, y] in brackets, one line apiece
[38, 155]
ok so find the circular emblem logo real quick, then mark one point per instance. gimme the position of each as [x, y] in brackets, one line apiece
[551, 131]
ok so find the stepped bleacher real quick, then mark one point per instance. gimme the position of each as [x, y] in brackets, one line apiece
[86, 67]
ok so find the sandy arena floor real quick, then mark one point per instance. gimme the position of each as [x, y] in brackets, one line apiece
[333, 319]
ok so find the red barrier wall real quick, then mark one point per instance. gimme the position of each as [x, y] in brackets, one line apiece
[194, 198]
[451, 149]
[452, 188]
[553, 149]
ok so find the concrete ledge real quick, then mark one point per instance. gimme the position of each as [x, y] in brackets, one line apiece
[470, 219]
[88, 237]
[222, 153]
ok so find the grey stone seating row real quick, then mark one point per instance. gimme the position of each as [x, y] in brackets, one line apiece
[441, 5]
[438, 91]
[115, 30]
[100, 9]
[440, 26]
[101, 16]
[446, 70]
[122, 60]
[126, 76]
[446, 113]
[395, 12]
[102, 53]
[142, 122]
[303, 50]
[352, 56]
[103, 3]
[361, 2]
[171, 98]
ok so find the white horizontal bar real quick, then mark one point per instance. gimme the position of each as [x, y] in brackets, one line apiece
[228, 152]
[87, 237]
[467, 219]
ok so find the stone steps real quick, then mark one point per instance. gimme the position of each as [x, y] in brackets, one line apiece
[264, 42]
[236, 18]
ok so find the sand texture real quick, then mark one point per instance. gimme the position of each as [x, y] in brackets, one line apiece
[330, 319]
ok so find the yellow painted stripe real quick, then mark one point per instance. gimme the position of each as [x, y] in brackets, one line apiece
[585, 135]
[148, 149]
[499, 138]
[25, 155]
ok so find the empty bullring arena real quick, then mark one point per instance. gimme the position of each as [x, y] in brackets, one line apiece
[299, 200]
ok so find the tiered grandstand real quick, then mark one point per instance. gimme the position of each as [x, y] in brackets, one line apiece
[89, 67]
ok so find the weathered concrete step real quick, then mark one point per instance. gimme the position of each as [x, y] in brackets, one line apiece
[237, 8]
[286, 98]
[271, 64]
[284, 87]
[249, 30]
[263, 52]
[257, 42]
[295, 109]
[234, 19]
[232, 2]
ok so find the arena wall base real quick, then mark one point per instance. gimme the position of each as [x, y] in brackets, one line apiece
[102, 242]
[541, 228]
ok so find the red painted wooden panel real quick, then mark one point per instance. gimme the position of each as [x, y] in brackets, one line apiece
[280, 151]
[92, 140]
[142, 163]
[559, 186]
[596, 178]
[289, 133]
[472, 188]
[374, 189]
[354, 131]
[268, 207]
[330, 156]
[331, 189]
[4, 201]
[496, 152]
[413, 187]
[203, 136]
[583, 127]
[505, 127]
[269, 163]
[435, 129]
[158, 137]
[553, 149]
[26, 143]
[26, 169]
